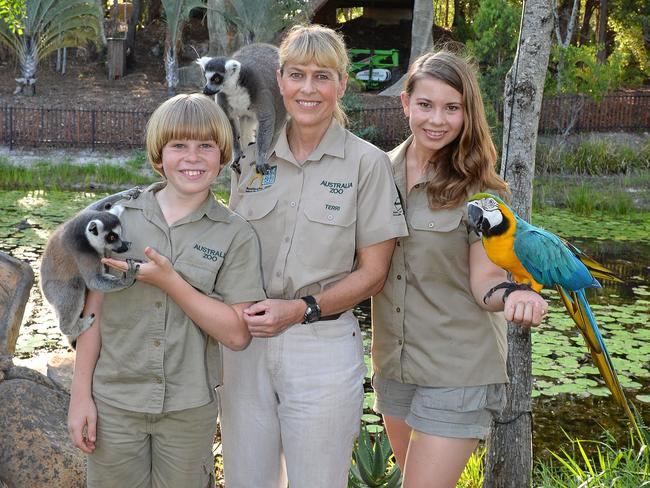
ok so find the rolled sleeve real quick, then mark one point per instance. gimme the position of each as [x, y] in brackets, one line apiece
[379, 215]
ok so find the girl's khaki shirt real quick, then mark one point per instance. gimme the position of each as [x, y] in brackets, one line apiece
[427, 328]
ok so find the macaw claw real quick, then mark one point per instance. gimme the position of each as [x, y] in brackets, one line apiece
[509, 287]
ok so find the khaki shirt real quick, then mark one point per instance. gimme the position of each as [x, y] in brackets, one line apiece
[312, 217]
[428, 329]
[153, 358]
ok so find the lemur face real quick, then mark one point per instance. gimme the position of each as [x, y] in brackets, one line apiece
[218, 72]
[104, 233]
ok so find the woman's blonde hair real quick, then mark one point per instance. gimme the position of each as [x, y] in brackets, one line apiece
[468, 164]
[319, 45]
[187, 116]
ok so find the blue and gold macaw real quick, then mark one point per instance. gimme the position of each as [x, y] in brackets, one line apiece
[536, 258]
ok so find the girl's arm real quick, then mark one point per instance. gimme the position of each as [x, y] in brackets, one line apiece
[523, 307]
[230, 328]
[82, 413]
[270, 317]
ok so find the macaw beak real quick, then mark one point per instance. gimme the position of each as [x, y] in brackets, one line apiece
[475, 217]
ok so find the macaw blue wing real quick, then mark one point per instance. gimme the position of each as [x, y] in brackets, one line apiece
[549, 261]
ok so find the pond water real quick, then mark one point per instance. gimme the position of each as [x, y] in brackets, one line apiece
[568, 392]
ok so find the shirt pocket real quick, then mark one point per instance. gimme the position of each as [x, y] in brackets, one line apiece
[255, 209]
[327, 240]
[445, 220]
[201, 274]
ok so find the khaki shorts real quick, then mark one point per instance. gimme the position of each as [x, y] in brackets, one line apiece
[140, 450]
[460, 412]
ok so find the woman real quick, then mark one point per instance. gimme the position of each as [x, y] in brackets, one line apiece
[326, 216]
[439, 350]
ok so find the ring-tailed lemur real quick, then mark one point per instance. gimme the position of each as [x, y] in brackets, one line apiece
[72, 261]
[246, 88]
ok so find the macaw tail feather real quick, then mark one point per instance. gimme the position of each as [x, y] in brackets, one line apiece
[596, 269]
[580, 311]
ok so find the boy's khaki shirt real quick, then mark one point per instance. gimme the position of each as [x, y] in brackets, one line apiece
[153, 358]
[311, 217]
[428, 329]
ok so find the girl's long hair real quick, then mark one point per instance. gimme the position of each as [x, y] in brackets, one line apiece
[468, 164]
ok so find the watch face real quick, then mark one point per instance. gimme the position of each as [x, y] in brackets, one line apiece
[312, 314]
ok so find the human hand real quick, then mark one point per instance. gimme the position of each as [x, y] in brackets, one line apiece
[82, 423]
[525, 307]
[270, 317]
[157, 271]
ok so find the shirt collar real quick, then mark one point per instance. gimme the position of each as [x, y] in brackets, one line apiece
[147, 202]
[332, 144]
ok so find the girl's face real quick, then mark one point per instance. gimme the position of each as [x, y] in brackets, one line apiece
[190, 165]
[435, 113]
[310, 93]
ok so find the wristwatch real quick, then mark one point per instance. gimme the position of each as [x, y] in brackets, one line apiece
[312, 312]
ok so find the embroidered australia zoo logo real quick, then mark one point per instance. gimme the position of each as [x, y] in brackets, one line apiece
[336, 187]
[210, 254]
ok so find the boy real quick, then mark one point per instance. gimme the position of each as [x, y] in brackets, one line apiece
[142, 402]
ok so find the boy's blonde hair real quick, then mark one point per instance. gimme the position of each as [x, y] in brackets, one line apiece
[320, 45]
[187, 116]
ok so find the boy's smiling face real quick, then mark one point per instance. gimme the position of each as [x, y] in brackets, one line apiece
[190, 165]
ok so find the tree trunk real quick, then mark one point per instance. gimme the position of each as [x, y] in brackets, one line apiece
[509, 448]
[217, 29]
[421, 39]
[590, 6]
[602, 32]
[132, 23]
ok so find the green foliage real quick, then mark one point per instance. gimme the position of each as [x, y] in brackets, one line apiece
[70, 176]
[496, 29]
[579, 71]
[592, 157]
[261, 20]
[630, 22]
[32, 29]
[611, 465]
[373, 465]
[474, 472]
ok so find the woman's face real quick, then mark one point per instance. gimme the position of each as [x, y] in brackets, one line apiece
[310, 93]
[435, 113]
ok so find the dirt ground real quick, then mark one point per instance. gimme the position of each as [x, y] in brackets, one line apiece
[86, 85]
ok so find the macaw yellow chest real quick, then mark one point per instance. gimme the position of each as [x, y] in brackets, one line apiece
[501, 251]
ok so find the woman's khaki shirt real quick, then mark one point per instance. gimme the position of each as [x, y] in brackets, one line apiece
[428, 329]
[312, 217]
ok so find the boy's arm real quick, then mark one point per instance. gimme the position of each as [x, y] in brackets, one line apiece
[230, 328]
[82, 413]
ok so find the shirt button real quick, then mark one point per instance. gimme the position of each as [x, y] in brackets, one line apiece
[330, 217]
[159, 380]
[293, 204]
[430, 225]
[398, 244]
[398, 309]
[278, 274]
[158, 304]
[156, 343]
[400, 342]
[399, 277]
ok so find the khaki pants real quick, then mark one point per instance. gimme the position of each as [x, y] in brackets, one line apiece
[291, 407]
[139, 450]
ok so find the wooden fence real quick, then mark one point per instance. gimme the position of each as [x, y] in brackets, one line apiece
[386, 127]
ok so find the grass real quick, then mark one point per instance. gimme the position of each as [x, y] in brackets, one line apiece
[611, 465]
[66, 175]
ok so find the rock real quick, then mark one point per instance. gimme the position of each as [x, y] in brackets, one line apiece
[36, 451]
[16, 279]
[60, 368]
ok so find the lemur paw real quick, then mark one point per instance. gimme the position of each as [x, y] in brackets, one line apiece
[235, 167]
[133, 193]
[508, 286]
[262, 168]
[132, 271]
